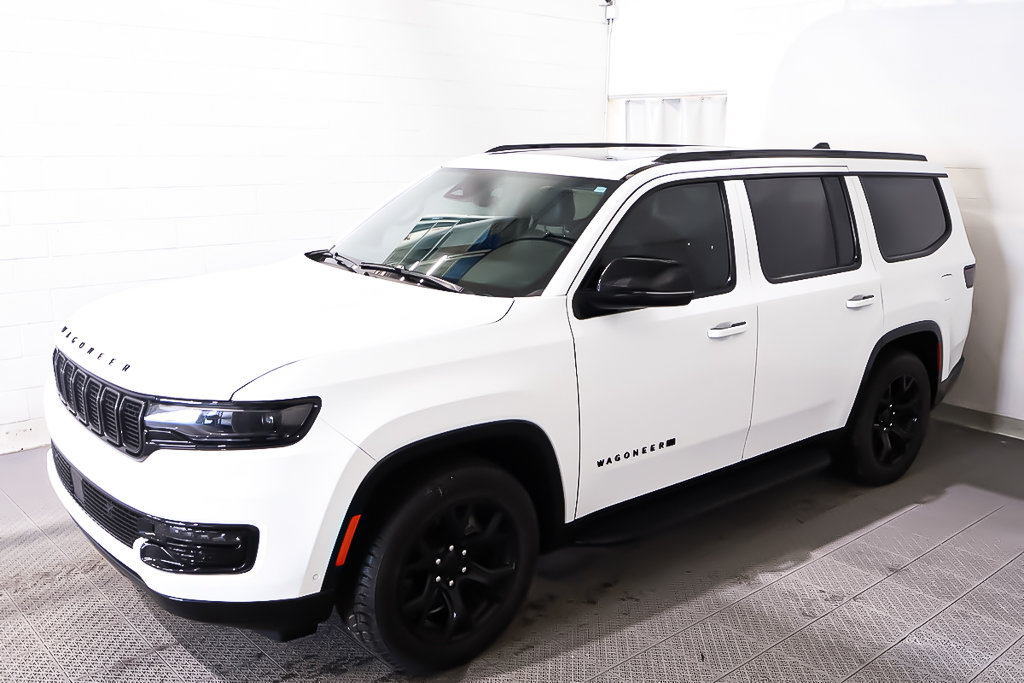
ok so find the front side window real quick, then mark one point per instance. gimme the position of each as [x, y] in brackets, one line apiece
[909, 215]
[687, 223]
[498, 233]
[803, 226]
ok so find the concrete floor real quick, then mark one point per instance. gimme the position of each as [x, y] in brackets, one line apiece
[779, 573]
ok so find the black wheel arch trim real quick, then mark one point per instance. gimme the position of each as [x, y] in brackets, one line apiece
[894, 335]
[948, 383]
[421, 455]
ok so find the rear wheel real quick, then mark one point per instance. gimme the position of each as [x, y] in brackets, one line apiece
[890, 421]
[447, 573]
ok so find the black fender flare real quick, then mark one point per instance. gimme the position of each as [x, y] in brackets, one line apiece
[887, 339]
[402, 465]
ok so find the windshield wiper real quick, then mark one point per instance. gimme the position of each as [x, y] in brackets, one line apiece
[423, 278]
[342, 260]
[362, 266]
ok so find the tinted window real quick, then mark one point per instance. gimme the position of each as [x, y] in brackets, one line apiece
[685, 223]
[909, 215]
[803, 226]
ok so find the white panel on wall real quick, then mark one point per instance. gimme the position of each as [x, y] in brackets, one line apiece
[142, 140]
[931, 76]
[697, 119]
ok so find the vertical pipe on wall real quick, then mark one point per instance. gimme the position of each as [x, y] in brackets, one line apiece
[609, 18]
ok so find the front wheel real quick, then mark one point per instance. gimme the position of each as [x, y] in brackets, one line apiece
[889, 422]
[447, 573]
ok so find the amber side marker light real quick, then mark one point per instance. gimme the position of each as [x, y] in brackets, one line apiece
[347, 541]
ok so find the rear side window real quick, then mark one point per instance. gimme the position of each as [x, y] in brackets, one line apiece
[909, 214]
[686, 223]
[803, 225]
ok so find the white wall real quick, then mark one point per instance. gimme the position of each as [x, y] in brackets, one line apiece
[149, 139]
[938, 77]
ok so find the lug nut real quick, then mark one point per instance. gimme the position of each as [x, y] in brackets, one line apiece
[451, 548]
[463, 570]
[437, 560]
[451, 583]
[437, 580]
[463, 553]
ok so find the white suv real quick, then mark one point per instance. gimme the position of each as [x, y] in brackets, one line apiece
[397, 425]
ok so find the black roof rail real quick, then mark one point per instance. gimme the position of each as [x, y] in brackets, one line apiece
[578, 145]
[714, 155]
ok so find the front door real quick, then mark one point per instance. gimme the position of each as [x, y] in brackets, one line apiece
[665, 393]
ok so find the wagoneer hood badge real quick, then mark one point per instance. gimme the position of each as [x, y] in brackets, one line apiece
[90, 350]
[203, 338]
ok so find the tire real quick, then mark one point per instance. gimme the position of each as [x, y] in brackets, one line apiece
[889, 422]
[447, 573]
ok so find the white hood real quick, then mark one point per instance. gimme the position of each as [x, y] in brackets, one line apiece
[205, 337]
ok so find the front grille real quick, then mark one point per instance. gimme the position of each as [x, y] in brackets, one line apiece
[117, 519]
[132, 411]
[108, 410]
[170, 546]
[63, 471]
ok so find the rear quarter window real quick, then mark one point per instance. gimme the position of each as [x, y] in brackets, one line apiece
[909, 213]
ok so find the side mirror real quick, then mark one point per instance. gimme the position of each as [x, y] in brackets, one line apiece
[632, 282]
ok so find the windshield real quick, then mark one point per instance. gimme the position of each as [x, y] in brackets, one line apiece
[500, 233]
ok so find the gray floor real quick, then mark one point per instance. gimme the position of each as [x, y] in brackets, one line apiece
[803, 578]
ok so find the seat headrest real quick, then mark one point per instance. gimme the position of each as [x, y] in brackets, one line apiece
[561, 211]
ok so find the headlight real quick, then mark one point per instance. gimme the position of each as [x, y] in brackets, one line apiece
[228, 425]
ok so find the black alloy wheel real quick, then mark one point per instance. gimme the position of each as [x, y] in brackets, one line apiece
[889, 422]
[897, 420]
[447, 574]
[459, 571]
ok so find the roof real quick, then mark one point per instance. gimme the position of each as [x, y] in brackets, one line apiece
[614, 161]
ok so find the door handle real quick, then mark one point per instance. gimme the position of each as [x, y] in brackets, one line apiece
[860, 301]
[727, 329]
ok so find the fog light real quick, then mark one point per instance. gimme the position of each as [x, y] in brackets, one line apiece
[193, 548]
[199, 535]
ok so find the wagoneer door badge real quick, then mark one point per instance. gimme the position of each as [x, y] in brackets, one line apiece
[90, 350]
[637, 452]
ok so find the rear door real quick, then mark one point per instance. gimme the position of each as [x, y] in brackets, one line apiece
[819, 306]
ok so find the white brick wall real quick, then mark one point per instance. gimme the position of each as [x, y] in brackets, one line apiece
[145, 139]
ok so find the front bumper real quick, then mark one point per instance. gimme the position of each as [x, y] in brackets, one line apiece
[276, 619]
[170, 545]
[296, 496]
